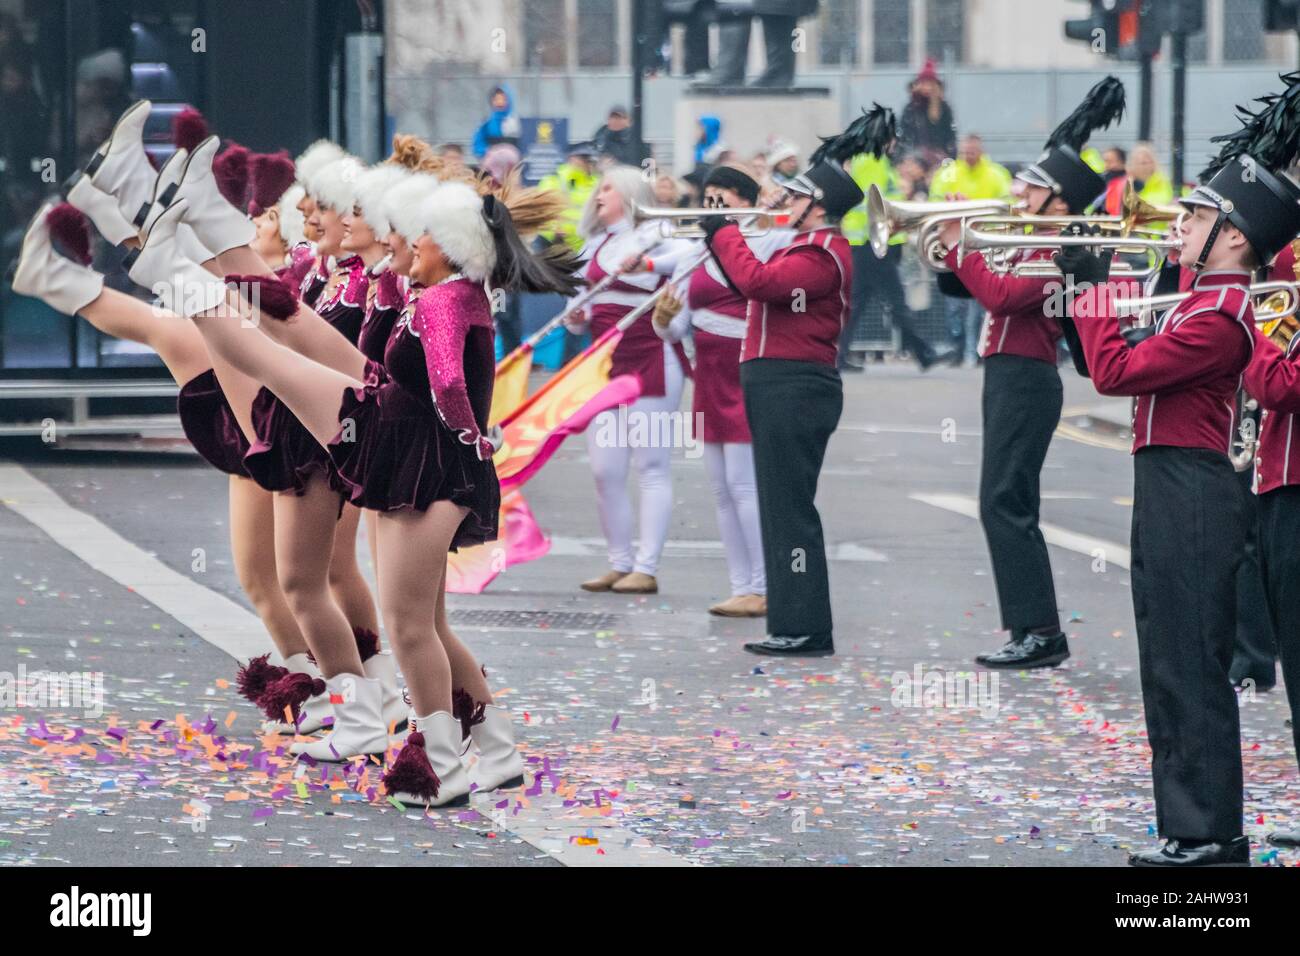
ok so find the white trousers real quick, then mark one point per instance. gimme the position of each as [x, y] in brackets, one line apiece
[730, 468]
[610, 462]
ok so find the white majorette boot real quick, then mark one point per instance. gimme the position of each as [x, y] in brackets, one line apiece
[121, 167]
[219, 225]
[101, 209]
[183, 285]
[383, 668]
[314, 713]
[43, 274]
[358, 726]
[164, 192]
[499, 764]
[428, 771]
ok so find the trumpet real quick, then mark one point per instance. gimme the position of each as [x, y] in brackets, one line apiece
[685, 220]
[1276, 304]
[993, 236]
[886, 218]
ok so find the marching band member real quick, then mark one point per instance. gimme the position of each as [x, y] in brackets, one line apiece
[703, 305]
[616, 241]
[1188, 523]
[1022, 389]
[797, 305]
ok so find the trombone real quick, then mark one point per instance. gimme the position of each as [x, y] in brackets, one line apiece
[685, 220]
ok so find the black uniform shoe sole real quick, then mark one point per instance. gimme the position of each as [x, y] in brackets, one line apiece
[765, 652]
[1286, 842]
[1051, 660]
[1134, 862]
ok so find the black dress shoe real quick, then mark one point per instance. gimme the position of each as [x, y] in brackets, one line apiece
[801, 645]
[1285, 838]
[1034, 650]
[1195, 853]
[850, 367]
[938, 358]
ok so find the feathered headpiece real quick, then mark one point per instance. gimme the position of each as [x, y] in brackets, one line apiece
[872, 132]
[1271, 135]
[1103, 106]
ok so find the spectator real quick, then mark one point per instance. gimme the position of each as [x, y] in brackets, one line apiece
[502, 126]
[24, 121]
[973, 175]
[667, 192]
[500, 160]
[1113, 163]
[707, 144]
[783, 158]
[927, 126]
[1147, 177]
[615, 140]
[913, 180]
[452, 154]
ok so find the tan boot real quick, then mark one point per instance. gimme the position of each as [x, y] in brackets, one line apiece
[604, 582]
[636, 583]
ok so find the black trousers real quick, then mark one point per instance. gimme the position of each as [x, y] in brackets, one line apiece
[1188, 532]
[793, 407]
[1279, 558]
[1254, 655]
[1022, 405]
[878, 279]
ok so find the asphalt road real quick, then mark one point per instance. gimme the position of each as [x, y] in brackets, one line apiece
[655, 738]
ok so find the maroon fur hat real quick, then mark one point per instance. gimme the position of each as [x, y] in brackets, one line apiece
[272, 174]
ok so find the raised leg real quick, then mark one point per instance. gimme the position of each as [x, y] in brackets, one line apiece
[176, 341]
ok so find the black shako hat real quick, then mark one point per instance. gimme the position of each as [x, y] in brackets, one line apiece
[825, 179]
[1061, 169]
[1246, 181]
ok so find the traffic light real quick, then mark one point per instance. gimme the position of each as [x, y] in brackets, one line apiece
[1281, 15]
[1100, 28]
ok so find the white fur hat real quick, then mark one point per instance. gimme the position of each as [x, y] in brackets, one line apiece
[452, 215]
[335, 185]
[401, 205]
[372, 186]
[291, 221]
[319, 154]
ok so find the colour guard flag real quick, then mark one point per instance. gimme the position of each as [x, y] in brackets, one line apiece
[470, 570]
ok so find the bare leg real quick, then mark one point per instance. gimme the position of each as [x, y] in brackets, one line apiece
[175, 340]
[413, 555]
[242, 261]
[372, 539]
[252, 541]
[310, 335]
[351, 593]
[465, 670]
[304, 539]
[310, 390]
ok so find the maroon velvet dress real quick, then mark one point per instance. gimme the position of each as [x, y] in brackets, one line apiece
[284, 455]
[413, 433]
[209, 423]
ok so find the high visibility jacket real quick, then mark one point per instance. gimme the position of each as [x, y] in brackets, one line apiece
[985, 180]
[577, 185]
[868, 171]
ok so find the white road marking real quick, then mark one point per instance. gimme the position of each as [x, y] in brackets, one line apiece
[580, 547]
[1115, 554]
[217, 619]
[232, 629]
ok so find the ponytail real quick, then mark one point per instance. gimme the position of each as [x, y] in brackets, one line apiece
[518, 268]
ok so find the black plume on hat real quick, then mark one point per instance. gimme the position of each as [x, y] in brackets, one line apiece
[1103, 106]
[1271, 136]
[872, 132]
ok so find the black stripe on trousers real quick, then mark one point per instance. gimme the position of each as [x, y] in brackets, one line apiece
[792, 407]
[1022, 405]
[1279, 560]
[1188, 533]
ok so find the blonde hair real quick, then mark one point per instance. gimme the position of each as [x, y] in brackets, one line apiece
[630, 183]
